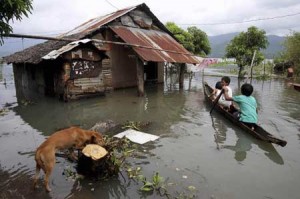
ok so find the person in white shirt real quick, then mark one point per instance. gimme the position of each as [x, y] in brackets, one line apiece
[216, 92]
[222, 101]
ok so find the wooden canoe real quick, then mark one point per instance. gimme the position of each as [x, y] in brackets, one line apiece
[258, 133]
[296, 87]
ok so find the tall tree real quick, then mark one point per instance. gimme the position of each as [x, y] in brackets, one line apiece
[200, 41]
[185, 38]
[10, 10]
[292, 49]
[243, 46]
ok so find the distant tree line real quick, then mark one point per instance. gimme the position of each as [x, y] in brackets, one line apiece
[246, 48]
[194, 39]
[290, 56]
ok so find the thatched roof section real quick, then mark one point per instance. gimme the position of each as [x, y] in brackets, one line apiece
[34, 54]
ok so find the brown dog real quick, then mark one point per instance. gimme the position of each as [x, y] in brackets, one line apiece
[73, 137]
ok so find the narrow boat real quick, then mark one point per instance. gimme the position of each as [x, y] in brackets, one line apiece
[296, 87]
[258, 133]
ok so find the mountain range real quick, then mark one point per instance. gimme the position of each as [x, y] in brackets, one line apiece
[218, 44]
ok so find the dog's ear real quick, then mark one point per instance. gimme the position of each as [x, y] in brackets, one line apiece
[94, 139]
[97, 139]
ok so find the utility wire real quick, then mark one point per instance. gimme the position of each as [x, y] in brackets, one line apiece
[246, 21]
[112, 4]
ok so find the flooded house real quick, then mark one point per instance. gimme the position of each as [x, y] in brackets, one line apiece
[127, 48]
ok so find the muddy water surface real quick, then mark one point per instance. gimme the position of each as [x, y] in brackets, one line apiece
[194, 149]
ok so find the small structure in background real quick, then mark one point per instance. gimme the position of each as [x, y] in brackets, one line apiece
[290, 72]
[282, 67]
[126, 48]
[205, 62]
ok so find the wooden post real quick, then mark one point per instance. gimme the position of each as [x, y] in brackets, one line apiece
[264, 68]
[140, 77]
[181, 75]
[252, 63]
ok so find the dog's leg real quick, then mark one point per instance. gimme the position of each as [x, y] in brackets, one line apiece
[36, 176]
[48, 170]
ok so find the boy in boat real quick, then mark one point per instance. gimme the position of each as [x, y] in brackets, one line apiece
[216, 92]
[225, 81]
[247, 104]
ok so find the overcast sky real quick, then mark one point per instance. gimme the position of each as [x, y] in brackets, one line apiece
[214, 17]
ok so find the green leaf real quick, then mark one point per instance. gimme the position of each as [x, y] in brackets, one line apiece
[148, 184]
[157, 179]
[146, 188]
[191, 188]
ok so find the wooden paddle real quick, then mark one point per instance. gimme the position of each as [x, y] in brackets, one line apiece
[216, 101]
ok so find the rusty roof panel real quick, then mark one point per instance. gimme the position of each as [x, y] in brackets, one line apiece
[97, 22]
[155, 45]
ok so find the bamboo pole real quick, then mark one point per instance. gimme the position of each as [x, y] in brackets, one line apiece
[40, 37]
[95, 40]
[251, 67]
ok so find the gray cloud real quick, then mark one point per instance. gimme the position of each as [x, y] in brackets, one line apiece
[271, 4]
[56, 16]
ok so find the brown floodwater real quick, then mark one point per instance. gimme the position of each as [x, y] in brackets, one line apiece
[195, 149]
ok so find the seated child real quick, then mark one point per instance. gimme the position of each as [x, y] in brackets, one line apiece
[222, 101]
[216, 92]
[247, 104]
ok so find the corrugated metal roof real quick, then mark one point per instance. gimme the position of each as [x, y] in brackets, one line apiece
[97, 22]
[161, 46]
[55, 53]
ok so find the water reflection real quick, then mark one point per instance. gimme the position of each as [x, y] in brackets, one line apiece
[115, 188]
[244, 144]
[48, 114]
[16, 184]
[289, 102]
[220, 130]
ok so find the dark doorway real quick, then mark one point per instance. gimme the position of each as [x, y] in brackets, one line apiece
[150, 72]
[52, 71]
[49, 81]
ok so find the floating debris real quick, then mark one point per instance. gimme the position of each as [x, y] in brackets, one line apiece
[3, 111]
[137, 136]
